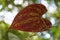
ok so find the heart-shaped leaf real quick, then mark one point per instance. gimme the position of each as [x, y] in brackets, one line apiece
[29, 19]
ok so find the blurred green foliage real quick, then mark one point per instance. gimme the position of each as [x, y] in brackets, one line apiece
[54, 31]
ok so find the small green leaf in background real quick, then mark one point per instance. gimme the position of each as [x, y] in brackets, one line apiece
[34, 1]
[3, 28]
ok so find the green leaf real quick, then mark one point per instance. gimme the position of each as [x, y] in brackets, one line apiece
[34, 1]
[3, 28]
[56, 31]
[56, 2]
[17, 33]
[49, 1]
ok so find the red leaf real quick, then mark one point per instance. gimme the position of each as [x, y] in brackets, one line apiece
[29, 19]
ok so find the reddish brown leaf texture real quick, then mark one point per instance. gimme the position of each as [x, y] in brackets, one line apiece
[30, 19]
